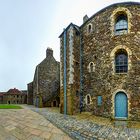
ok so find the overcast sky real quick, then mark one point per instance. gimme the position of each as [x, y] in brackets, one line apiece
[28, 27]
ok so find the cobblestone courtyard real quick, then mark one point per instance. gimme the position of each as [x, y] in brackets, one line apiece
[24, 124]
[91, 127]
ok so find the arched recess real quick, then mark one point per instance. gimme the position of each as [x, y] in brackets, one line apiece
[113, 54]
[91, 67]
[88, 100]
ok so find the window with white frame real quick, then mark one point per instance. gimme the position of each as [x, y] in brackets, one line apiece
[91, 67]
[88, 99]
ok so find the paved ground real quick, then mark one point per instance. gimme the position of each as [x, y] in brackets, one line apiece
[92, 129]
[24, 124]
[33, 123]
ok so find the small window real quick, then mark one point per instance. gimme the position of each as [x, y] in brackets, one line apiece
[121, 25]
[89, 28]
[76, 64]
[77, 33]
[99, 100]
[77, 93]
[91, 67]
[95, 57]
[88, 99]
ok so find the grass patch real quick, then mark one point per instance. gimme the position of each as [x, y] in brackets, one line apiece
[9, 106]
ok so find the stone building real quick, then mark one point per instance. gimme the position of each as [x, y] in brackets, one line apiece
[100, 63]
[45, 88]
[13, 96]
[30, 93]
[1, 97]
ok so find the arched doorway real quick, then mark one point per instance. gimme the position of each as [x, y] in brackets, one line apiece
[121, 105]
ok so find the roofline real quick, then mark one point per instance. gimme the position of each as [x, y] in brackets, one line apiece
[112, 5]
[30, 83]
[71, 24]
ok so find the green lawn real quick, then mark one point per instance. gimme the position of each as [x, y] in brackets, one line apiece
[9, 106]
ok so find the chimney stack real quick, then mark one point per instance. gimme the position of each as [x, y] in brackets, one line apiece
[49, 52]
[85, 18]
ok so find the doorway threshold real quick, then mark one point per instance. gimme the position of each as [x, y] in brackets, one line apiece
[121, 118]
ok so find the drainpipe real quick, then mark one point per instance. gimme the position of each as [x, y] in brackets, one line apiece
[81, 74]
[65, 74]
[37, 85]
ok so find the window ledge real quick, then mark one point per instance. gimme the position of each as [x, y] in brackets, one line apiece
[125, 73]
[123, 34]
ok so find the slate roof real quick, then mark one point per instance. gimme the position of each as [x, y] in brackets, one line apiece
[14, 91]
[71, 24]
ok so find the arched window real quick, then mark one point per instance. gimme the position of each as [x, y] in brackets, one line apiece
[91, 67]
[89, 29]
[121, 61]
[121, 24]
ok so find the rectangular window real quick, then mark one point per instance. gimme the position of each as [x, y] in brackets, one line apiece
[99, 99]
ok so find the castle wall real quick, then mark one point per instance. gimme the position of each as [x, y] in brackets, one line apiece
[100, 45]
[99, 48]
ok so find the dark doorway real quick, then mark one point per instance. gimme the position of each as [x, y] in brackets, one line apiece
[8, 102]
[54, 103]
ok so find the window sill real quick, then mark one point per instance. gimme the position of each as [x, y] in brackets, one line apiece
[121, 73]
[117, 35]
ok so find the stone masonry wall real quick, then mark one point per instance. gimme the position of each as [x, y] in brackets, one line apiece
[30, 94]
[73, 70]
[98, 46]
[46, 80]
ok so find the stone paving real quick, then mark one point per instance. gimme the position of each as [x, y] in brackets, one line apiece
[24, 124]
[90, 130]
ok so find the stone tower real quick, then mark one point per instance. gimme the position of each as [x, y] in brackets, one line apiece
[70, 69]
[101, 60]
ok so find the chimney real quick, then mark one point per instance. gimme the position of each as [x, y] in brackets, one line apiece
[49, 52]
[85, 18]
